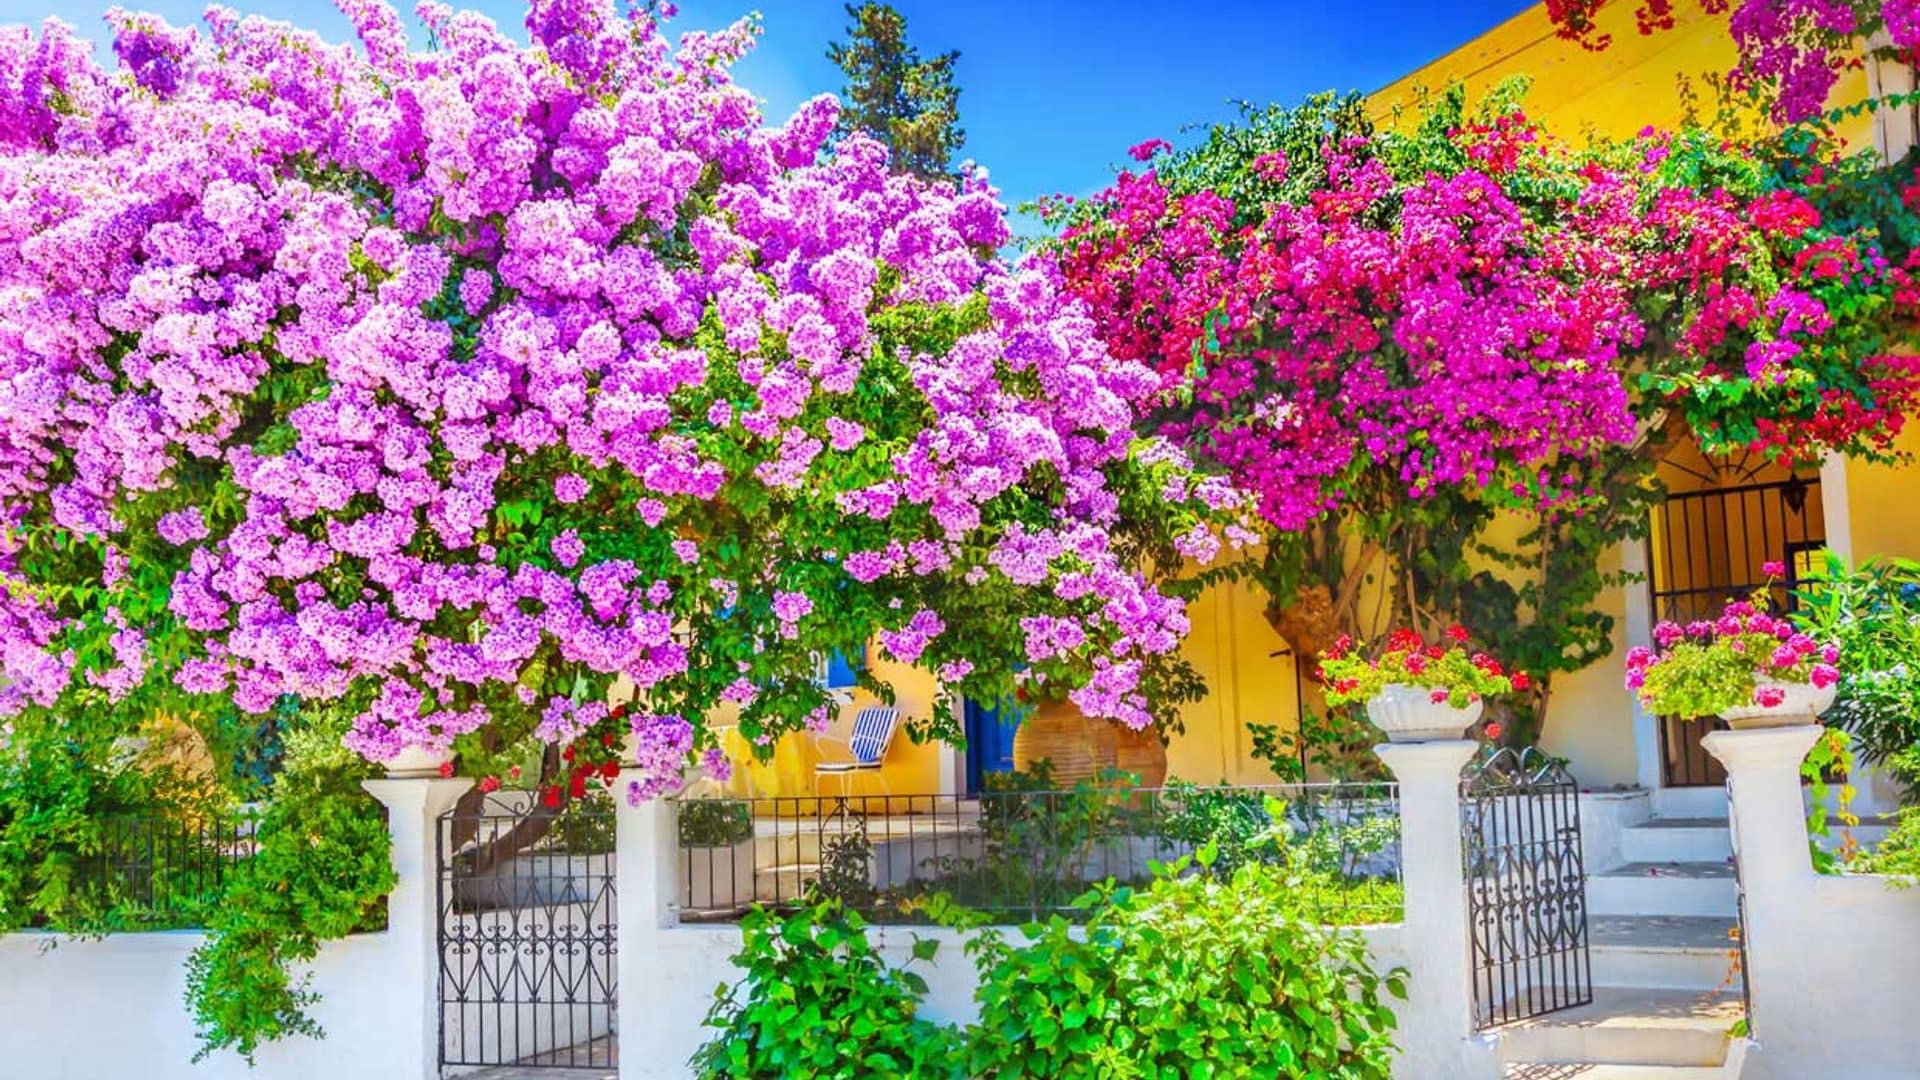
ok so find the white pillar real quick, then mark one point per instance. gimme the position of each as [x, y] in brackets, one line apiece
[413, 910]
[646, 857]
[1769, 816]
[1777, 878]
[1639, 631]
[1438, 1040]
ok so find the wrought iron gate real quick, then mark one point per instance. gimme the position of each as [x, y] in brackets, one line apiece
[527, 933]
[1526, 887]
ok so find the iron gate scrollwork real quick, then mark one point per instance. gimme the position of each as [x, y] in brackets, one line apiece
[1526, 887]
[527, 932]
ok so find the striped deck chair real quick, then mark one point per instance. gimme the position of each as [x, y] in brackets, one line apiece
[866, 747]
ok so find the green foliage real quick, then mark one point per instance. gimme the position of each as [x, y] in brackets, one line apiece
[845, 868]
[714, 822]
[1873, 614]
[909, 104]
[1238, 824]
[72, 799]
[1831, 756]
[1898, 856]
[1195, 977]
[818, 1001]
[322, 870]
[1700, 678]
[1208, 974]
[1334, 743]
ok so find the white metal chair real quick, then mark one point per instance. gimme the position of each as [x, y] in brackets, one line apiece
[867, 744]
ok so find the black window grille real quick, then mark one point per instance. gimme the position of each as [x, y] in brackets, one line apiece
[1710, 547]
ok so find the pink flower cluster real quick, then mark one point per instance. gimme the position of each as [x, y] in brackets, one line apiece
[1487, 327]
[1448, 348]
[444, 382]
[1770, 645]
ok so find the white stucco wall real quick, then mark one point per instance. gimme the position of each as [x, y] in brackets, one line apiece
[1834, 980]
[114, 1008]
[1831, 959]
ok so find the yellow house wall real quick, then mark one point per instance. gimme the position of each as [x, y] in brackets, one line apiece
[1590, 714]
[1883, 503]
[1232, 646]
[1632, 84]
[908, 768]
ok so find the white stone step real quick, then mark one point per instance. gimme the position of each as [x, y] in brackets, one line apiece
[785, 882]
[1664, 952]
[1690, 802]
[1625, 1026]
[1664, 889]
[1707, 840]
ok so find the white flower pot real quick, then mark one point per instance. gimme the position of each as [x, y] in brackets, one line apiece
[1802, 704]
[413, 762]
[1409, 714]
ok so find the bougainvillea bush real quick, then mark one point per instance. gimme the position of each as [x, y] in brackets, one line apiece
[1791, 51]
[1446, 357]
[457, 385]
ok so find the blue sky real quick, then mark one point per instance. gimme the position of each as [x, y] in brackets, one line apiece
[1052, 93]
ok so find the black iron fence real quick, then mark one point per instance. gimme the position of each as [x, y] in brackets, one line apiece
[1526, 887]
[157, 871]
[1018, 855]
[527, 933]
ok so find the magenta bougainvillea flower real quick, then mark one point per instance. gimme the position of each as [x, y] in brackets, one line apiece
[1474, 310]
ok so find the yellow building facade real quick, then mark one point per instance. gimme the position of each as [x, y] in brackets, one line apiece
[1746, 514]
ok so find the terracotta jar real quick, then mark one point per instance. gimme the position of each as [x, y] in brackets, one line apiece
[1079, 748]
[1142, 754]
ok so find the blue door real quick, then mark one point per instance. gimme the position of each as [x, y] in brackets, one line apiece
[989, 744]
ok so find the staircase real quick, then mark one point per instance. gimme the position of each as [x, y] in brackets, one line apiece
[1662, 922]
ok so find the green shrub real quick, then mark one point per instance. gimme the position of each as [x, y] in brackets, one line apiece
[817, 1001]
[322, 869]
[92, 833]
[1193, 977]
[714, 822]
[1898, 856]
[1873, 614]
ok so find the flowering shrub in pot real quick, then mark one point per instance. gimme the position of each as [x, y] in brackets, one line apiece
[1416, 690]
[1748, 666]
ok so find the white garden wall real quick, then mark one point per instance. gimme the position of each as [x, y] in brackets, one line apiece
[1838, 964]
[113, 1008]
[1831, 959]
